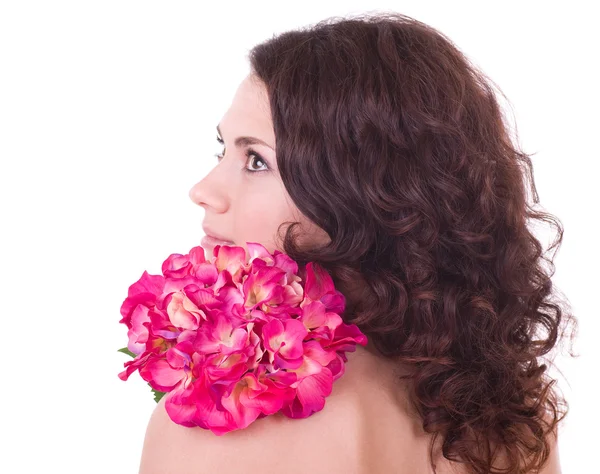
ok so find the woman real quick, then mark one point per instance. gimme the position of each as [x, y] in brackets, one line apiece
[387, 152]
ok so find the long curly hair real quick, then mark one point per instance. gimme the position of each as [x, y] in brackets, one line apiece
[394, 143]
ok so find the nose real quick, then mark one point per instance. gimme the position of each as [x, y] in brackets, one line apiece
[193, 194]
[209, 192]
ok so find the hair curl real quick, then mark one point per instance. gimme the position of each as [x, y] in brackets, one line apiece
[393, 142]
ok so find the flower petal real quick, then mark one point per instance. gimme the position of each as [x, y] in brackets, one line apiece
[311, 393]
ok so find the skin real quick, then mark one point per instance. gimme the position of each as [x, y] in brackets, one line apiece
[246, 207]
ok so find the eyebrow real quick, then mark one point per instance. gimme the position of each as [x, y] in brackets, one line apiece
[244, 141]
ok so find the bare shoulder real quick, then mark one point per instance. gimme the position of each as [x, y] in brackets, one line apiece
[326, 442]
[552, 465]
[366, 427]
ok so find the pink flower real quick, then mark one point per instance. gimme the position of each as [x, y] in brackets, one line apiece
[141, 298]
[310, 395]
[165, 374]
[229, 341]
[283, 341]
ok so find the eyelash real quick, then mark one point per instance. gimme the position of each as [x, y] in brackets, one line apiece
[249, 152]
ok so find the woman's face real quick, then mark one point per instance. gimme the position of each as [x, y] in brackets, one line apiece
[243, 196]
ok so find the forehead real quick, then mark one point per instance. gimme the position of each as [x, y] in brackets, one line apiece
[249, 112]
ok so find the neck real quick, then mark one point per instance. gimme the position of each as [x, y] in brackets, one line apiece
[368, 357]
[368, 353]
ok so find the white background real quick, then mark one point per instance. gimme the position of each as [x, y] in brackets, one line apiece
[107, 118]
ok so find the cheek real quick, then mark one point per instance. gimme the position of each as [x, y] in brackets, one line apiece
[258, 217]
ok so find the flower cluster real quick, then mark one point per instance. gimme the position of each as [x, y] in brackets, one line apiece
[232, 340]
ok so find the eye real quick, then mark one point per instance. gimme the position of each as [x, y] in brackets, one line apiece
[249, 153]
[257, 157]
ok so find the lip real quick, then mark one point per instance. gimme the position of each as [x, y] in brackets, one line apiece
[209, 233]
[210, 243]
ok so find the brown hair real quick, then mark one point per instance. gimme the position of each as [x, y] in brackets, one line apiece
[393, 142]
